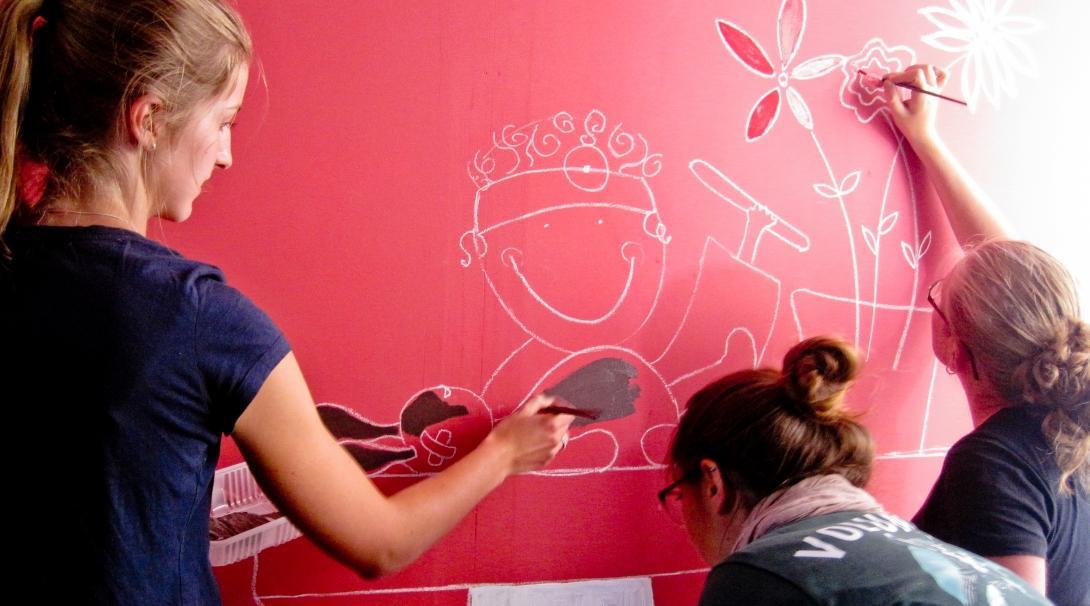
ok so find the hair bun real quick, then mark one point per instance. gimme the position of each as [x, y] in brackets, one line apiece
[817, 372]
[1058, 374]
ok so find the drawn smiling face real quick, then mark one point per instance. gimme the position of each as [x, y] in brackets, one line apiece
[584, 270]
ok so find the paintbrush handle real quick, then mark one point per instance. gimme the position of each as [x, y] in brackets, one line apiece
[568, 410]
[917, 89]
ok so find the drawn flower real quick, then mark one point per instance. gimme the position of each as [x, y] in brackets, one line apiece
[792, 24]
[875, 58]
[988, 39]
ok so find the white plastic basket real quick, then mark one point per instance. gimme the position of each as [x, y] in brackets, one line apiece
[235, 490]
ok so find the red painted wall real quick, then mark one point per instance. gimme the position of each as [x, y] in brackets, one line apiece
[488, 196]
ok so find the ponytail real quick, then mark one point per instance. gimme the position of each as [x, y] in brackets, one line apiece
[16, 31]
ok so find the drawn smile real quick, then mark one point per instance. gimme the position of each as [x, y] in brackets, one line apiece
[630, 252]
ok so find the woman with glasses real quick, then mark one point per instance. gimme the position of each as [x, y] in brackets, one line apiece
[1007, 323]
[768, 471]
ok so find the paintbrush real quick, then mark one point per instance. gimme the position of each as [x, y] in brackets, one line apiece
[586, 413]
[876, 81]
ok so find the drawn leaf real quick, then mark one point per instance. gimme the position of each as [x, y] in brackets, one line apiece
[868, 237]
[763, 115]
[887, 223]
[745, 48]
[849, 183]
[816, 67]
[798, 107]
[925, 245]
[910, 255]
[792, 21]
[825, 190]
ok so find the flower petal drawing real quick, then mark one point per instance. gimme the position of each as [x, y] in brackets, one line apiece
[816, 67]
[763, 115]
[947, 41]
[989, 42]
[792, 22]
[943, 18]
[745, 49]
[799, 108]
[876, 57]
[1018, 54]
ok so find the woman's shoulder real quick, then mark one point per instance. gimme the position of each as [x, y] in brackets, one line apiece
[119, 263]
[1014, 431]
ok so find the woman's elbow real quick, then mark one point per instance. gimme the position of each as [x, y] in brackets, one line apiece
[383, 563]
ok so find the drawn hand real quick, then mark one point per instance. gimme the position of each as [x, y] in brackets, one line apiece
[915, 116]
[532, 439]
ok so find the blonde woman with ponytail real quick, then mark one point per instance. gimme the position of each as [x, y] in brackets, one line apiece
[768, 471]
[124, 363]
[1007, 322]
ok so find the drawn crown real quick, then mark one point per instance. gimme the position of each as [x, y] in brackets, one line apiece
[587, 155]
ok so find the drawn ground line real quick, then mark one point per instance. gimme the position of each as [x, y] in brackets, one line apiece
[840, 299]
[468, 586]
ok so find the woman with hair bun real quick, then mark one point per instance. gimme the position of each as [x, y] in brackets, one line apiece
[1006, 321]
[768, 472]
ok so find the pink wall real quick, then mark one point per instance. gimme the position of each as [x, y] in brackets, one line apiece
[466, 194]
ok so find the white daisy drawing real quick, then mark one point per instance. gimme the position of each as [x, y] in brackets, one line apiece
[990, 45]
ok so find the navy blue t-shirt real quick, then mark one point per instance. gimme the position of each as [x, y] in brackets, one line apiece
[127, 363]
[999, 495]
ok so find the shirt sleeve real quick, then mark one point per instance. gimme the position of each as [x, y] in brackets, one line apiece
[734, 583]
[989, 501]
[237, 346]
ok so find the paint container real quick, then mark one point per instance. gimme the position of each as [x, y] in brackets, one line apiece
[234, 490]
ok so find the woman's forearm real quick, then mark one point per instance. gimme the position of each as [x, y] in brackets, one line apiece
[971, 213]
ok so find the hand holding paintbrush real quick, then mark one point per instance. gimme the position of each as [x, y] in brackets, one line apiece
[914, 116]
[872, 80]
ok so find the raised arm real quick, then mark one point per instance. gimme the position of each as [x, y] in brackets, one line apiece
[971, 213]
[324, 491]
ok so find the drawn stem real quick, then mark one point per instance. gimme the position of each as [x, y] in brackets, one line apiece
[878, 246]
[915, 240]
[848, 225]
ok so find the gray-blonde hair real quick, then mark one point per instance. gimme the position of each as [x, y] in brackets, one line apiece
[1016, 308]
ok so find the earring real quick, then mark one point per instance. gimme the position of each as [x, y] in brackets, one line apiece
[153, 145]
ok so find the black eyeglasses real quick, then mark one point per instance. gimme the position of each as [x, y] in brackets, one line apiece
[670, 498]
[945, 320]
